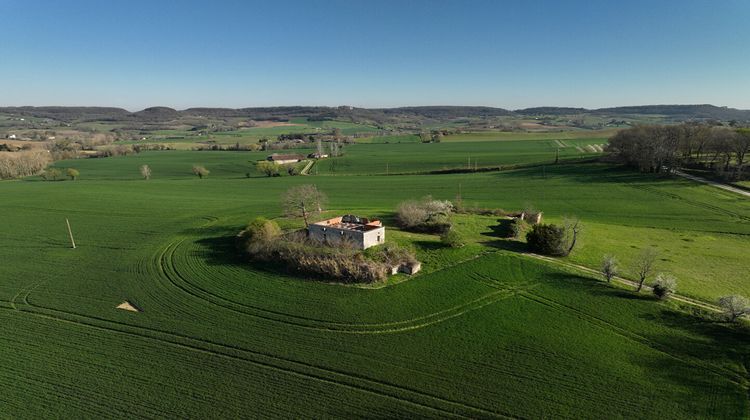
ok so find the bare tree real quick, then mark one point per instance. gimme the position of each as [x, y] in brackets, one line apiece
[734, 306]
[572, 228]
[609, 267]
[319, 147]
[303, 201]
[145, 171]
[644, 265]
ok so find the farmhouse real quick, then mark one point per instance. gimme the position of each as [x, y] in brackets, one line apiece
[284, 159]
[317, 155]
[360, 232]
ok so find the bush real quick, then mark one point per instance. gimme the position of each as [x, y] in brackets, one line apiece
[268, 168]
[517, 228]
[72, 173]
[664, 286]
[426, 215]
[51, 174]
[546, 240]
[452, 239]
[258, 234]
[200, 171]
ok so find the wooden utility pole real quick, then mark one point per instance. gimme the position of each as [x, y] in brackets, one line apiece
[70, 232]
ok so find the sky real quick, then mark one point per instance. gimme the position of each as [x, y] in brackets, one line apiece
[509, 54]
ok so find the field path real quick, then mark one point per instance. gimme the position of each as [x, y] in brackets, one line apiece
[306, 169]
[713, 183]
[680, 298]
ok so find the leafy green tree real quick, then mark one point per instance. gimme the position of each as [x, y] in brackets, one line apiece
[72, 173]
[268, 168]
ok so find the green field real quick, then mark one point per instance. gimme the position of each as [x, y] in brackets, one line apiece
[481, 332]
[405, 158]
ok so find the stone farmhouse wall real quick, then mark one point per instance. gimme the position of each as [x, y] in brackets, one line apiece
[335, 236]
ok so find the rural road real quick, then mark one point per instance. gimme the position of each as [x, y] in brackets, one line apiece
[712, 183]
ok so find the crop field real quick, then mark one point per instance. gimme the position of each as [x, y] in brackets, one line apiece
[404, 158]
[483, 331]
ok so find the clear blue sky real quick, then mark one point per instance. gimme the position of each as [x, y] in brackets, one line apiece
[510, 54]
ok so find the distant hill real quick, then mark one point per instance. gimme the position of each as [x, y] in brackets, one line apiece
[69, 113]
[410, 115]
[680, 111]
[551, 110]
[675, 112]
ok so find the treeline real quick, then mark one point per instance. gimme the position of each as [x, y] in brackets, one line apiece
[657, 149]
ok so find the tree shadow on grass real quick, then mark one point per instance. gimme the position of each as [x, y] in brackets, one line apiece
[429, 245]
[710, 358]
[707, 359]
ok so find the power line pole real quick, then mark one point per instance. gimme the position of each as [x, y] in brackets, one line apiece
[70, 232]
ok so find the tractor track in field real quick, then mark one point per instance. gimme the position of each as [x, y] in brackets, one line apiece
[168, 270]
[356, 382]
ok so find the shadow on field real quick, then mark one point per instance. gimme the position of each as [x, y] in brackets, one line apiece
[623, 294]
[585, 172]
[222, 251]
[710, 357]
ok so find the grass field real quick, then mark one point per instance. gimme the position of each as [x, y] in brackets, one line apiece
[403, 158]
[482, 332]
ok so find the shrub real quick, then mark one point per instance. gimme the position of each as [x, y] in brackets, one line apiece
[425, 215]
[664, 286]
[259, 233]
[517, 228]
[452, 239]
[546, 239]
[51, 174]
[734, 306]
[268, 168]
[72, 173]
[200, 171]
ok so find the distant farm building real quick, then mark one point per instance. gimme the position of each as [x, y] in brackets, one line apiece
[284, 159]
[360, 232]
[317, 155]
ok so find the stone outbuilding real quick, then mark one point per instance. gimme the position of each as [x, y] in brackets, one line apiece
[283, 159]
